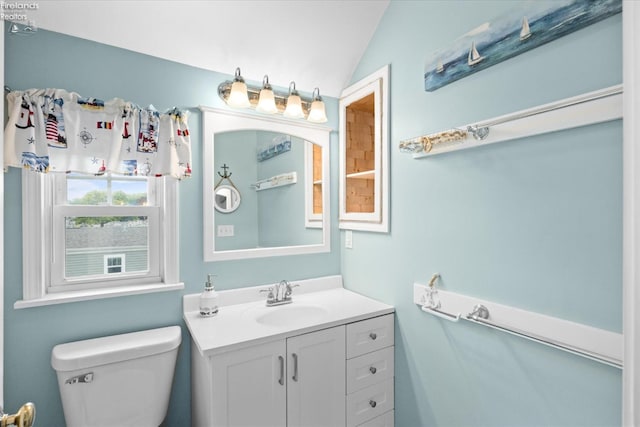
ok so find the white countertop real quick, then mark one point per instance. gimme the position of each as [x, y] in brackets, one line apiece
[235, 326]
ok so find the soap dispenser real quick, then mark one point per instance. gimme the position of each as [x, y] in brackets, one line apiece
[209, 299]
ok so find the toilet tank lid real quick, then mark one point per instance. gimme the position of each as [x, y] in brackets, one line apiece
[116, 348]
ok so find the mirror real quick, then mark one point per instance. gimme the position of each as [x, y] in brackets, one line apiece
[279, 195]
[227, 198]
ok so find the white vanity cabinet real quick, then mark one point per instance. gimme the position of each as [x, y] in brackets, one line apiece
[325, 360]
[298, 381]
[340, 376]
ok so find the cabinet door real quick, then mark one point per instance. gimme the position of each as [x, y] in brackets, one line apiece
[316, 379]
[249, 386]
[364, 154]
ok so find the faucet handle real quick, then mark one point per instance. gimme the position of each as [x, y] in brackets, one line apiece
[270, 290]
[289, 290]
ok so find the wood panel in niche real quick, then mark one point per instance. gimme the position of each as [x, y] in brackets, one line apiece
[317, 179]
[360, 155]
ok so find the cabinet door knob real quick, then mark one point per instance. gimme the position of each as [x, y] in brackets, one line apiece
[373, 335]
[373, 403]
[281, 380]
[373, 370]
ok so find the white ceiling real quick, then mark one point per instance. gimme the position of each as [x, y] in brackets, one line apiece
[314, 43]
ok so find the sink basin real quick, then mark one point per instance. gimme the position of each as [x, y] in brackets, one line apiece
[286, 315]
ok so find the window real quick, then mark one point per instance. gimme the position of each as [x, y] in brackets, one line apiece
[96, 235]
[114, 264]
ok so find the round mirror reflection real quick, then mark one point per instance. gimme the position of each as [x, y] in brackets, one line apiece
[227, 198]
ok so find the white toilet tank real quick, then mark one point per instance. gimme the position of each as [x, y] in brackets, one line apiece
[120, 380]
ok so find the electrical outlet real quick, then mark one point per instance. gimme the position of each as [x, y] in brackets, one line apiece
[225, 231]
[348, 239]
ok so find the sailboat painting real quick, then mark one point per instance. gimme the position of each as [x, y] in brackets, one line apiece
[521, 29]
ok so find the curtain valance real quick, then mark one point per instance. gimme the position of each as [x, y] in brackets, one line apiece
[52, 130]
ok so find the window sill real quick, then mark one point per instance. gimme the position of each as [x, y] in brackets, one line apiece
[91, 294]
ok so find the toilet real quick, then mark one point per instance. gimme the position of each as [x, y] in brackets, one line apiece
[120, 380]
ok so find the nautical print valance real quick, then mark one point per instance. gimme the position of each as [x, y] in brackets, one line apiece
[52, 130]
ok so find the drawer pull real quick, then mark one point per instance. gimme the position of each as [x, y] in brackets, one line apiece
[373, 403]
[373, 335]
[373, 370]
[281, 380]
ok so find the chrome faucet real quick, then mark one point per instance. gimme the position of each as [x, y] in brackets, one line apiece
[279, 294]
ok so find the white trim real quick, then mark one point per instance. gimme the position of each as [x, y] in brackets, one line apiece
[590, 108]
[37, 239]
[631, 215]
[168, 198]
[377, 221]
[91, 294]
[597, 341]
[2, 227]
[217, 121]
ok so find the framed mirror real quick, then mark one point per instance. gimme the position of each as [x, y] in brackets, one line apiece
[281, 176]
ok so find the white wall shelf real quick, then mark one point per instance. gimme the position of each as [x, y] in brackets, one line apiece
[276, 181]
[362, 175]
[590, 108]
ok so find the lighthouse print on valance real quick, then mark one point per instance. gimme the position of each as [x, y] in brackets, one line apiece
[521, 29]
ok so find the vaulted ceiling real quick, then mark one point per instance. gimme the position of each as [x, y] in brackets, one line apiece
[314, 43]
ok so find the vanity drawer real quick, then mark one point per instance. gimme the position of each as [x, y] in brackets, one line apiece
[368, 369]
[369, 403]
[369, 335]
[384, 420]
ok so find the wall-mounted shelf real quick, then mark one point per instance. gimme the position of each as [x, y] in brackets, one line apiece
[276, 181]
[361, 175]
[590, 108]
[593, 343]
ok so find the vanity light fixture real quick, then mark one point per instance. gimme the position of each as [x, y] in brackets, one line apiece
[236, 93]
[266, 101]
[238, 97]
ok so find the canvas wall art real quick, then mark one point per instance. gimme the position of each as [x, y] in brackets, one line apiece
[521, 29]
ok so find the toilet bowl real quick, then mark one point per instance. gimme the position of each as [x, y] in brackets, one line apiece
[120, 380]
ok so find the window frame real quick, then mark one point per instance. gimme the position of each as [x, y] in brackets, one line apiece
[42, 211]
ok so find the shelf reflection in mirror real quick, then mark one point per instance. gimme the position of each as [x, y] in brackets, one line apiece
[281, 168]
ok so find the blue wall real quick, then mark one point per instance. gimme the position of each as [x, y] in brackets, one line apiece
[534, 223]
[48, 59]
